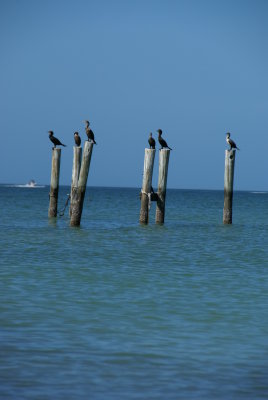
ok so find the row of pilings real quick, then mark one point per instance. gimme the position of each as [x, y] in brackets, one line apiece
[148, 195]
[81, 164]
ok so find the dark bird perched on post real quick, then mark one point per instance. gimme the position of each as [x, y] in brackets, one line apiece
[151, 141]
[77, 139]
[54, 140]
[231, 142]
[89, 132]
[161, 141]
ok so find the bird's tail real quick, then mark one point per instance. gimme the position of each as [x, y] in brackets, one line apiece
[169, 148]
[64, 145]
[94, 142]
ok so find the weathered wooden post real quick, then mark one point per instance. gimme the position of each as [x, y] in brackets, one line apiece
[75, 173]
[228, 186]
[162, 185]
[146, 185]
[54, 183]
[78, 193]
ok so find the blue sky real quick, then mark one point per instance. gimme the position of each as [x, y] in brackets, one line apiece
[195, 69]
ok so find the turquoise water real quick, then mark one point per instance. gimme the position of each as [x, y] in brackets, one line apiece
[114, 310]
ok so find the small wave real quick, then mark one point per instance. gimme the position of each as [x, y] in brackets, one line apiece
[259, 192]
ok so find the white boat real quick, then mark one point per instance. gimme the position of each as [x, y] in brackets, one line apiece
[31, 183]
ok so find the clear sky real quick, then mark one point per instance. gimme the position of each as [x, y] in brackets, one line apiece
[196, 69]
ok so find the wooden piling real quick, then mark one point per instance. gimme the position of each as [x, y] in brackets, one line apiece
[228, 186]
[162, 184]
[54, 183]
[77, 153]
[146, 184]
[78, 193]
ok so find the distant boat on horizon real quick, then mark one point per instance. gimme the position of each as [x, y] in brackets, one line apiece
[31, 184]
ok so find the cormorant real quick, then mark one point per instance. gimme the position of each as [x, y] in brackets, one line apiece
[54, 140]
[161, 141]
[231, 142]
[77, 139]
[89, 132]
[151, 141]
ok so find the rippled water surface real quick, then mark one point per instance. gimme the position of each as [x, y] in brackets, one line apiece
[115, 310]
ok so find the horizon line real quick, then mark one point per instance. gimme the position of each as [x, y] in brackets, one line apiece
[135, 187]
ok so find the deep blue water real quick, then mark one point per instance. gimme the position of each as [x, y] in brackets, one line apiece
[115, 310]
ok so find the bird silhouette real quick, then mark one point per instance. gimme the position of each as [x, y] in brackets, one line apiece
[89, 132]
[77, 139]
[54, 140]
[161, 141]
[231, 142]
[151, 141]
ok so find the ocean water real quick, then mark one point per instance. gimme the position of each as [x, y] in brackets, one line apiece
[115, 310]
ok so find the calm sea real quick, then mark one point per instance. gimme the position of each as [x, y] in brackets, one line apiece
[115, 310]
